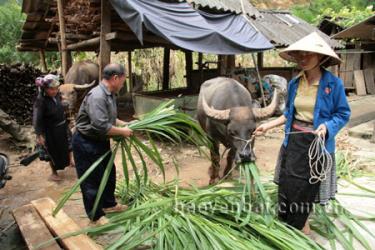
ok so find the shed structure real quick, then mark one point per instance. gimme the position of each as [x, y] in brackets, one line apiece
[126, 25]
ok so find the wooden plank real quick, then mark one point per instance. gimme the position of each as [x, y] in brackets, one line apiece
[349, 70]
[62, 224]
[356, 61]
[359, 82]
[369, 80]
[29, 223]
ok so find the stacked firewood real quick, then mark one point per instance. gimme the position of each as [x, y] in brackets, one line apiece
[82, 16]
[18, 91]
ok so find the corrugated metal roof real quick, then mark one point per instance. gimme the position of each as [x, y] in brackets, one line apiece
[228, 5]
[364, 30]
[283, 29]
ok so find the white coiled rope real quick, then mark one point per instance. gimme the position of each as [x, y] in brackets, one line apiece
[320, 160]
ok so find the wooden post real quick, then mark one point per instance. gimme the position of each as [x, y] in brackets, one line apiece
[64, 54]
[166, 62]
[260, 60]
[189, 68]
[200, 67]
[230, 63]
[130, 71]
[42, 60]
[105, 46]
[221, 65]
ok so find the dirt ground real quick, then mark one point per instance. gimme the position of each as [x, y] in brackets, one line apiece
[32, 182]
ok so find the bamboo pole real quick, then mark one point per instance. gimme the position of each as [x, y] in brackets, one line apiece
[63, 51]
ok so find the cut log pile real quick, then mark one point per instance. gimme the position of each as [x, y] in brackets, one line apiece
[18, 91]
[82, 15]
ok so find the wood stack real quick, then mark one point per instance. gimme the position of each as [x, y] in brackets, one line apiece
[82, 16]
[18, 91]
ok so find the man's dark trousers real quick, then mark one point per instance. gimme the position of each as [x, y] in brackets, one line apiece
[86, 152]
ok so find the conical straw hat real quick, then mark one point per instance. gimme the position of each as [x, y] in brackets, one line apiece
[311, 43]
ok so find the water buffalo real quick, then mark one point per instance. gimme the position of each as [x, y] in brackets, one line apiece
[80, 78]
[225, 112]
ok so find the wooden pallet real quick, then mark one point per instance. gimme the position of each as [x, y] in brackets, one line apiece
[39, 212]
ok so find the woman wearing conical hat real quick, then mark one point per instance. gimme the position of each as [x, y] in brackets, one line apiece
[315, 112]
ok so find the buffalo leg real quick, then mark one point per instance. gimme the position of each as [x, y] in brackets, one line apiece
[229, 166]
[215, 164]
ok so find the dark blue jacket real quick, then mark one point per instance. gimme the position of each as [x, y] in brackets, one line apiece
[331, 107]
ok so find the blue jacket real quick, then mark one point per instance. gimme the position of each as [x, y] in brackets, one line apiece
[331, 107]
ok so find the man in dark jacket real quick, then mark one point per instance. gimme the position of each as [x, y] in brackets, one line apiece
[95, 123]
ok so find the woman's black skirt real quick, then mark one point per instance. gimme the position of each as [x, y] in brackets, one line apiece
[296, 195]
[57, 144]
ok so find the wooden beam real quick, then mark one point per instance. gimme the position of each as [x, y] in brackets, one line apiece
[87, 43]
[33, 229]
[105, 28]
[131, 37]
[64, 54]
[42, 60]
[166, 58]
[61, 225]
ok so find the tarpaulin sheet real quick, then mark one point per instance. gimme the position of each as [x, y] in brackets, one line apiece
[190, 29]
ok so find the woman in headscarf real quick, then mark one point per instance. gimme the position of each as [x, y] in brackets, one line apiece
[50, 125]
[316, 107]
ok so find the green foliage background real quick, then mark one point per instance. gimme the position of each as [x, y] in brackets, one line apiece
[344, 12]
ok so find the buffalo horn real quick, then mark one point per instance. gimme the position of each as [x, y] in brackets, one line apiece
[84, 86]
[261, 113]
[215, 113]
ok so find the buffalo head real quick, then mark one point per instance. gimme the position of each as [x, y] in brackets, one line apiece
[70, 93]
[240, 125]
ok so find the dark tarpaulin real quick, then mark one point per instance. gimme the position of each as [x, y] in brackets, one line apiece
[190, 29]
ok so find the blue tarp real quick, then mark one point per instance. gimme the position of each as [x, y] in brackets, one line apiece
[194, 30]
